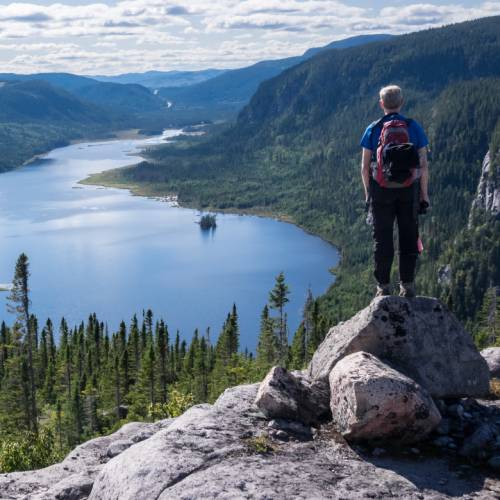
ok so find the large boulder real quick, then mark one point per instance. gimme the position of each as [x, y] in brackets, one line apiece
[371, 401]
[419, 337]
[293, 396]
[492, 357]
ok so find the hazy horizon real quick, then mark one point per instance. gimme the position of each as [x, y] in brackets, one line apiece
[114, 37]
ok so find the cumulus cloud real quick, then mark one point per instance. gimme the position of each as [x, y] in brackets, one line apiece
[191, 34]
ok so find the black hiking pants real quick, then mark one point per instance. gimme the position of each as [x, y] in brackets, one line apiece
[388, 205]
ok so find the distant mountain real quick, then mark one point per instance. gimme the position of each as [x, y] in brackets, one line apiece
[227, 93]
[157, 79]
[37, 100]
[36, 116]
[120, 98]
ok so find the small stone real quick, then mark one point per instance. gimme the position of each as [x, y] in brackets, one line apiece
[444, 427]
[441, 405]
[118, 447]
[467, 415]
[494, 462]
[478, 441]
[442, 441]
[460, 411]
[282, 435]
[415, 451]
[290, 426]
[443, 481]
[377, 452]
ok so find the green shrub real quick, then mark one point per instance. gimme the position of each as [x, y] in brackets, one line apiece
[29, 452]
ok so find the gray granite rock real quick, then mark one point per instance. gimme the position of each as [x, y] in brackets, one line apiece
[492, 357]
[371, 401]
[72, 478]
[118, 447]
[419, 337]
[293, 397]
[210, 453]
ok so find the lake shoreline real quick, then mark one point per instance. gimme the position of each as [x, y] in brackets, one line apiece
[116, 135]
[149, 191]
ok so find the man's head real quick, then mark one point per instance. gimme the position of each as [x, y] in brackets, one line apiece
[391, 98]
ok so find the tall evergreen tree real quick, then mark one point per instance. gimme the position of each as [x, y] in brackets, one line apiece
[19, 304]
[278, 298]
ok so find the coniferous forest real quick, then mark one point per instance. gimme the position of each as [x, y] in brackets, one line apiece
[55, 394]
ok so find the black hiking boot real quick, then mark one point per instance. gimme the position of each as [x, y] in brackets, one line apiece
[407, 290]
[383, 290]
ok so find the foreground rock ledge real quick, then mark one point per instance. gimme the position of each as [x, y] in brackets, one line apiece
[371, 401]
[419, 337]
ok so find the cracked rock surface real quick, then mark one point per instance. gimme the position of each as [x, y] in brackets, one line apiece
[211, 452]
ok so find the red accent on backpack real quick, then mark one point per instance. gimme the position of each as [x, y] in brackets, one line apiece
[393, 132]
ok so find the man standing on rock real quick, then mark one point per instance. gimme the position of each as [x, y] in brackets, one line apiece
[394, 171]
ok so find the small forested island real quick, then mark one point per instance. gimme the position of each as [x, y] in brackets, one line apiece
[208, 221]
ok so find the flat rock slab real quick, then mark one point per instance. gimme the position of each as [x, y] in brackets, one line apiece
[492, 357]
[371, 401]
[419, 337]
[209, 453]
[293, 396]
[72, 478]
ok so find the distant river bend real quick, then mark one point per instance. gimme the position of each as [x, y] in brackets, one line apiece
[102, 250]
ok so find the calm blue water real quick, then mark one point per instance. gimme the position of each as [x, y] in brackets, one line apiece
[102, 250]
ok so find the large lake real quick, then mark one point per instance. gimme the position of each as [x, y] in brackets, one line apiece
[103, 250]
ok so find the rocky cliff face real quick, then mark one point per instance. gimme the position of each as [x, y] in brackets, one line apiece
[233, 449]
[487, 199]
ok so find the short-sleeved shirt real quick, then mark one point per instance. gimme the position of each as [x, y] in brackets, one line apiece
[372, 133]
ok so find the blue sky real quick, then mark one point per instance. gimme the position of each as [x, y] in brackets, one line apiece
[110, 37]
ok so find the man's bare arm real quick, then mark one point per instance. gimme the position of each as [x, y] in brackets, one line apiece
[366, 158]
[424, 174]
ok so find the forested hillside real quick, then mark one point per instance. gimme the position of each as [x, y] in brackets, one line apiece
[294, 151]
[47, 110]
[36, 117]
[223, 96]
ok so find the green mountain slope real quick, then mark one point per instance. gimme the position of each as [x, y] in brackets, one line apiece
[116, 97]
[224, 95]
[36, 116]
[294, 149]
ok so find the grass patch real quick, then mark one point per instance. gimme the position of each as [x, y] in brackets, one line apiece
[261, 445]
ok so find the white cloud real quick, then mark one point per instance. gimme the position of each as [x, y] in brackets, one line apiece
[191, 34]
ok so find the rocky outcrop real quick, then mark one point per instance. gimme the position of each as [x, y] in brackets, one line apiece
[226, 451]
[72, 479]
[487, 198]
[232, 450]
[371, 401]
[492, 357]
[293, 396]
[418, 337]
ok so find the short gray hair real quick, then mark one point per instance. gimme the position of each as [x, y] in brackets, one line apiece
[391, 96]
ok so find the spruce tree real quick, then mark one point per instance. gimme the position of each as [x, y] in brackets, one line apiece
[267, 348]
[19, 304]
[278, 298]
